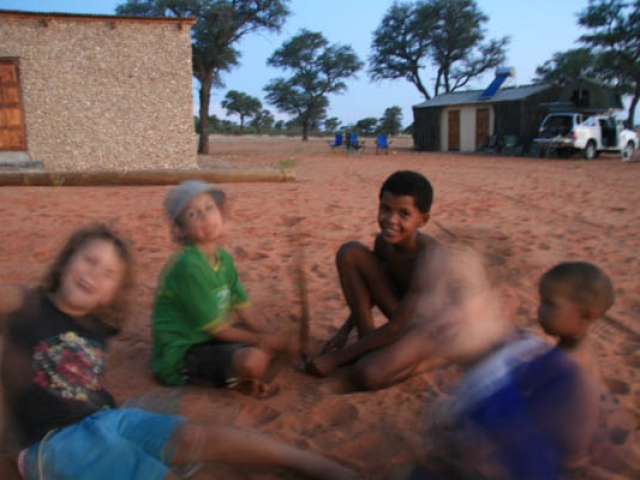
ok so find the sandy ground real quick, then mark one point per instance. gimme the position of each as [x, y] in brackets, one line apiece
[523, 214]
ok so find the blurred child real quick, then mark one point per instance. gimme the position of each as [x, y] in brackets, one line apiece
[573, 295]
[195, 338]
[517, 411]
[65, 424]
[386, 277]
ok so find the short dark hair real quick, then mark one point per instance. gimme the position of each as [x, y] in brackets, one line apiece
[590, 286]
[414, 184]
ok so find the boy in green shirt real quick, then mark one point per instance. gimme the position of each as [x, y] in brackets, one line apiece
[195, 338]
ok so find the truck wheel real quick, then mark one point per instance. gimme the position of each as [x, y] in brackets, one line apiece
[627, 152]
[590, 150]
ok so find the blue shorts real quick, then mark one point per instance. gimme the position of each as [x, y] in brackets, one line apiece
[125, 444]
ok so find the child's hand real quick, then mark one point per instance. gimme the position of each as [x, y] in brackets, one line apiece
[338, 341]
[278, 342]
[283, 341]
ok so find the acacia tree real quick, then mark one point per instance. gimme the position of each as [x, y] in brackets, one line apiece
[567, 67]
[263, 121]
[444, 34]
[331, 124]
[220, 25]
[391, 121]
[615, 37]
[399, 47]
[241, 104]
[366, 126]
[317, 69]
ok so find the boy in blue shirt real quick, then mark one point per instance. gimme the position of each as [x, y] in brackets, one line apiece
[523, 410]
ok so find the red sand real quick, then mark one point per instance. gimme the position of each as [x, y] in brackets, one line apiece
[523, 214]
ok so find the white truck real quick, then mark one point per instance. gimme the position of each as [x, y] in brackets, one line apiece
[567, 133]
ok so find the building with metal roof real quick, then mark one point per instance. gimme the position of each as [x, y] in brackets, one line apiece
[473, 120]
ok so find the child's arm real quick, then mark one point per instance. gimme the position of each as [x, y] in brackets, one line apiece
[250, 316]
[269, 337]
[267, 341]
[233, 334]
[231, 446]
[583, 405]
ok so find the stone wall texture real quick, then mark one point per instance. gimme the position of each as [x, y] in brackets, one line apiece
[104, 93]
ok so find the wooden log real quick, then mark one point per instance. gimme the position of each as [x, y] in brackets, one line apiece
[99, 178]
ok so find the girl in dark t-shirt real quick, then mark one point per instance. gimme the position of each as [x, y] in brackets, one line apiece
[65, 424]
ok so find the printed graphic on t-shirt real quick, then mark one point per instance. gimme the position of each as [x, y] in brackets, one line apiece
[69, 366]
[223, 299]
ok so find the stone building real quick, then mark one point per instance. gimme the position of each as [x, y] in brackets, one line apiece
[94, 92]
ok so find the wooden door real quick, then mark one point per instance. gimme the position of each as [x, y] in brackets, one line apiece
[482, 127]
[454, 130]
[12, 132]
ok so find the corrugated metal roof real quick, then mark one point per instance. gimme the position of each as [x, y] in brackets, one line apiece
[508, 94]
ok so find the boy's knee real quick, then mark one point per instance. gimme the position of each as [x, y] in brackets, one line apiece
[350, 253]
[251, 362]
[368, 378]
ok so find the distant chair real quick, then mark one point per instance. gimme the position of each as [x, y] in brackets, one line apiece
[337, 143]
[510, 146]
[492, 145]
[382, 143]
[354, 145]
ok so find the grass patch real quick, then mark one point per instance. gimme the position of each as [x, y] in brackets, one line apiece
[286, 164]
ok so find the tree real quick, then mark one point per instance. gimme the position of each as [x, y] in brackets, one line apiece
[331, 124]
[279, 126]
[220, 25]
[317, 69]
[214, 123]
[566, 67]
[293, 127]
[446, 34]
[241, 104]
[366, 126]
[391, 121]
[263, 121]
[615, 37]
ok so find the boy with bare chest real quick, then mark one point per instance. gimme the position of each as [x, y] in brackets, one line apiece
[388, 277]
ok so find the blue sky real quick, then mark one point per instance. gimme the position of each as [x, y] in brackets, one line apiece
[537, 30]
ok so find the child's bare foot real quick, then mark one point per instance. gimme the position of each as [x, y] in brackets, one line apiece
[320, 366]
[256, 388]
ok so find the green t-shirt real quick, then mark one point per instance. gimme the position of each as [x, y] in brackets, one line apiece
[193, 299]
